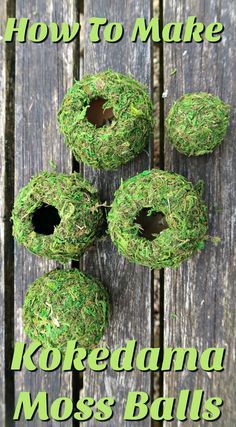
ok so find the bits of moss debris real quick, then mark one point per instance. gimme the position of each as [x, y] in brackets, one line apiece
[197, 123]
[66, 305]
[57, 216]
[107, 119]
[158, 219]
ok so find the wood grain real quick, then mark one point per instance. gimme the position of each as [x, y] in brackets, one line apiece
[2, 216]
[43, 74]
[201, 293]
[129, 285]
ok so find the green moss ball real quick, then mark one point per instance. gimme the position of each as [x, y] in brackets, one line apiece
[197, 123]
[106, 119]
[158, 219]
[66, 305]
[57, 216]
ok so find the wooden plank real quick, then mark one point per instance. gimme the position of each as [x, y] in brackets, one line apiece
[201, 293]
[8, 240]
[43, 74]
[129, 285]
[2, 215]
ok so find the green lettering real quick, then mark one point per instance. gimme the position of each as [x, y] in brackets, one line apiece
[196, 404]
[141, 30]
[98, 355]
[71, 351]
[136, 402]
[151, 364]
[212, 29]
[113, 32]
[212, 407]
[50, 359]
[180, 356]
[128, 355]
[167, 406]
[181, 413]
[65, 34]
[38, 32]
[217, 363]
[104, 407]
[193, 30]
[21, 356]
[59, 414]
[96, 24]
[11, 29]
[172, 32]
[83, 406]
[25, 404]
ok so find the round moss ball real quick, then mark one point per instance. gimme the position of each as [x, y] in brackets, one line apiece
[197, 123]
[158, 219]
[66, 305]
[57, 216]
[106, 119]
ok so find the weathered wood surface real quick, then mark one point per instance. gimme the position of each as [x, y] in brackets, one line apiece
[43, 74]
[2, 217]
[202, 292]
[129, 285]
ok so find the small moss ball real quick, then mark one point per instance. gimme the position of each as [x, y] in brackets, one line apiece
[197, 123]
[158, 219]
[106, 119]
[57, 216]
[66, 305]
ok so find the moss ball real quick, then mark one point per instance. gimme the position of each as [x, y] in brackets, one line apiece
[106, 119]
[158, 219]
[57, 216]
[197, 123]
[66, 305]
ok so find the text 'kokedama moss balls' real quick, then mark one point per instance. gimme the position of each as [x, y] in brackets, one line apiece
[57, 216]
[66, 305]
[197, 123]
[158, 219]
[106, 119]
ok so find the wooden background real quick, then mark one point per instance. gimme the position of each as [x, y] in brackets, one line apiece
[197, 301]
[202, 291]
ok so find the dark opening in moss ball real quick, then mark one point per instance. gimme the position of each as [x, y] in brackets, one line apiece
[106, 119]
[66, 305]
[158, 219]
[57, 216]
[197, 123]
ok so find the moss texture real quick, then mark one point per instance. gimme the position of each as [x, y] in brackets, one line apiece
[118, 140]
[197, 123]
[177, 200]
[66, 305]
[77, 204]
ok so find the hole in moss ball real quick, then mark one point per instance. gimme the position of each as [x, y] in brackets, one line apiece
[150, 224]
[45, 219]
[97, 115]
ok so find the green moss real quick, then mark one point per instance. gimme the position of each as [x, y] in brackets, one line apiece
[77, 205]
[197, 123]
[66, 305]
[182, 210]
[119, 139]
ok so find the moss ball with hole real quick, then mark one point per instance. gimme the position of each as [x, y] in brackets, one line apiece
[158, 219]
[106, 119]
[197, 123]
[66, 305]
[57, 216]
